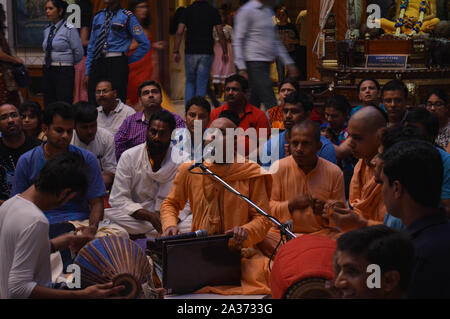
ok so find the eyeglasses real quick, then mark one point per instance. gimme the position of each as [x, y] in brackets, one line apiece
[104, 91]
[437, 104]
[13, 115]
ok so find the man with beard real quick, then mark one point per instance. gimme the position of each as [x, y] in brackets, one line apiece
[13, 143]
[111, 110]
[144, 178]
[133, 130]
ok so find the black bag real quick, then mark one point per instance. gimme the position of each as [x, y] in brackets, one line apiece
[21, 75]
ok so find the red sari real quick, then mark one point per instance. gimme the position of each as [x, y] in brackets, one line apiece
[140, 71]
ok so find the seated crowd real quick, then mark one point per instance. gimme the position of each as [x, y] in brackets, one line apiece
[363, 186]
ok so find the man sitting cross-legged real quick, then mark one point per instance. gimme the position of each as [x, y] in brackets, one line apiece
[302, 184]
[218, 211]
[144, 178]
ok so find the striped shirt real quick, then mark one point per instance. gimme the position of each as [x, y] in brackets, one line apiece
[133, 131]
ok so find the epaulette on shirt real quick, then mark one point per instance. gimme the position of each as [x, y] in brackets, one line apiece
[127, 12]
[68, 25]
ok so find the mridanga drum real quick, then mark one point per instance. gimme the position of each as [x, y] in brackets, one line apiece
[114, 259]
[302, 268]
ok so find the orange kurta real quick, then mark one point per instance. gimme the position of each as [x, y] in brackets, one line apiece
[365, 194]
[324, 182]
[217, 210]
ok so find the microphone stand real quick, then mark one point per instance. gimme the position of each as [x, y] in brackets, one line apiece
[284, 230]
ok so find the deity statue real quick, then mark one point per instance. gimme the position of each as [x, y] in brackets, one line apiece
[413, 17]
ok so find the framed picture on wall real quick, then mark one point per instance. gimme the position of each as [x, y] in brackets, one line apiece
[30, 21]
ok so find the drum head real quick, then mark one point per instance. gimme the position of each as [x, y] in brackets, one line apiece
[132, 288]
[310, 288]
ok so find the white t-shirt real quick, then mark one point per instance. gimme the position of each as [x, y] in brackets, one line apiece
[102, 147]
[24, 248]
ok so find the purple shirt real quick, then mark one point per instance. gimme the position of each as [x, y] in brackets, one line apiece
[133, 131]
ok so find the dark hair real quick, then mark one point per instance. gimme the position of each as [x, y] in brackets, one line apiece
[395, 85]
[163, 116]
[291, 81]
[340, 103]
[399, 133]
[439, 93]
[232, 116]
[113, 86]
[417, 165]
[34, 108]
[85, 112]
[368, 79]
[132, 6]
[66, 170]
[200, 101]
[147, 83]
[62, 109]
[386, 247]
[429, 121]
[307, 124]
[60, 5]
[299, 97]
[238, 78]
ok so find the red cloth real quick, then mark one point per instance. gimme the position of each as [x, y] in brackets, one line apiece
[252, 117]
[300, 258]
[315, 116]
[140, 71]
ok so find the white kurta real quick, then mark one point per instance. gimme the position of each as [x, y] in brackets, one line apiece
[136, 187]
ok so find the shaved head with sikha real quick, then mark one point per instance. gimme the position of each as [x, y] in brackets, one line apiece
[362, 129]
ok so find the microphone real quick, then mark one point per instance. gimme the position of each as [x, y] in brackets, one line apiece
[207, 154]
[193, 234]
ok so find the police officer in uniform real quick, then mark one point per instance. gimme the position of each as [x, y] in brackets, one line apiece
[113, 29]
[63, 49]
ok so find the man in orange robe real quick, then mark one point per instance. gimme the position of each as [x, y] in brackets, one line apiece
[219, 211]
[303, 184]
[365, 194]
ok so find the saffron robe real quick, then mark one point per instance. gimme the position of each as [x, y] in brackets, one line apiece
[365, 194]
[217, 210]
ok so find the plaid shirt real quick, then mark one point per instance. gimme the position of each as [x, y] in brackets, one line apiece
[133, 131]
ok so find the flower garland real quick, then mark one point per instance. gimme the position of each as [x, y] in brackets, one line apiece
[419, 23]
[400, 21]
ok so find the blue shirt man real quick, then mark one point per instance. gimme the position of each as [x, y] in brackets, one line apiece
[395, 222]
[124, 28]
[277, 143]
[31, 163]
